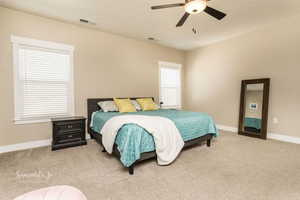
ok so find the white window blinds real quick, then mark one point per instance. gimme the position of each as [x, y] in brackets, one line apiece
[43, 80]
[170, 85]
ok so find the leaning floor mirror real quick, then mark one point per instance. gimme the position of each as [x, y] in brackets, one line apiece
[254, 102]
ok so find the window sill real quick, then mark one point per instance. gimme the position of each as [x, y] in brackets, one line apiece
[33, 121]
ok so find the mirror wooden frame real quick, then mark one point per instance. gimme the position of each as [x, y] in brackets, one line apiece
[265, 107]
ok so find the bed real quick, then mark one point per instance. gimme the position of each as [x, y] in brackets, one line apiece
[134, 144]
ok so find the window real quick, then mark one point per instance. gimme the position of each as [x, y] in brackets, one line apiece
[170, 85]
[43, 80]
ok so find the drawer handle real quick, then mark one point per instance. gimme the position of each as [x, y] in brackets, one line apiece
[70, 136]
[70, 126]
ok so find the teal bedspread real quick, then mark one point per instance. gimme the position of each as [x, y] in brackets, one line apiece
[252, 122]
[132, 140]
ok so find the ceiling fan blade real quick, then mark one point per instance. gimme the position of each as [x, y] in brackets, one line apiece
[183, 19]
[214, 13]
[167, 6]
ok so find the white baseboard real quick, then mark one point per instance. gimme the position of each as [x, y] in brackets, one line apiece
[29, 145]
[88, 136]
[284, 138]
[43, 143]
[26, 145]
[274, 136]
[227, 128]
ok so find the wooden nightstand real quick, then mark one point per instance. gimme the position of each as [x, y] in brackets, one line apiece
[68, 132]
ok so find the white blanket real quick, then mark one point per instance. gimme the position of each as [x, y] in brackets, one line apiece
[168, 141]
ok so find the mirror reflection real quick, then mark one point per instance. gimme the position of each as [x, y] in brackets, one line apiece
[253, 108]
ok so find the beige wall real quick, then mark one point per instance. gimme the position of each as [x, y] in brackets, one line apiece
[108, 65]
[105, 65]
[214, 74]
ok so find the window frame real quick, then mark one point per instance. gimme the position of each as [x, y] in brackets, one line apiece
[163, 64]
[19, 42]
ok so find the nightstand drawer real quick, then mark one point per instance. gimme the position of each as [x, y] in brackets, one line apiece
[69, 138]
[65, 128]
[68, 132]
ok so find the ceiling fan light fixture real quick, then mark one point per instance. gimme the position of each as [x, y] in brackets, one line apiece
[195, 7]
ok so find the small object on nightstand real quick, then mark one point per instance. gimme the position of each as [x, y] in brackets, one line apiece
[68, 132]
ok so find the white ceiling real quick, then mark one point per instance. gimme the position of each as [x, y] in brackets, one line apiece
[134, 18]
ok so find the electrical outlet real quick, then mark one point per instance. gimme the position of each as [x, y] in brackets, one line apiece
[275, 120]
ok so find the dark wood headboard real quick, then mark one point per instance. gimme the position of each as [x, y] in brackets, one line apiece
[92, 106]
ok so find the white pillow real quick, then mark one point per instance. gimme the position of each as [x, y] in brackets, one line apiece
[108, 106]
[136, 105]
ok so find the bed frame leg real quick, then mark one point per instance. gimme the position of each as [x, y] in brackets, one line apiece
[131, 169]
[91, 136]
[208, 142]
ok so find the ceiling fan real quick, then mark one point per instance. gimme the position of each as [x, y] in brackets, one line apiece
[193, 7]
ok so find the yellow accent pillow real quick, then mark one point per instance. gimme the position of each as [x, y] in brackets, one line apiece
[147, 104]
[124, 105]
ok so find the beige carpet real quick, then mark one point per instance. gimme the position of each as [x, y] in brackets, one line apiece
[235, 167]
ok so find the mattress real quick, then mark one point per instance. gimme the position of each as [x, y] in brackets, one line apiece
[132, 140]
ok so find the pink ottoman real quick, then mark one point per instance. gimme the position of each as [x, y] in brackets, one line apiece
[62, 192]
